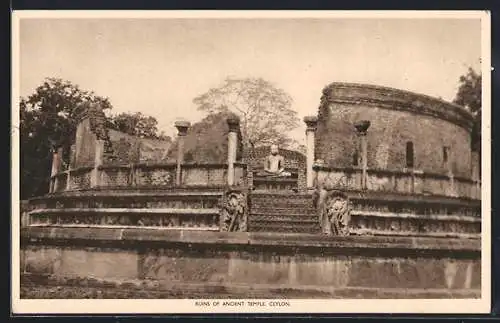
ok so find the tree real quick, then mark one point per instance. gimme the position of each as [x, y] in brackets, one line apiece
[47, 122]
[265, 111]
[137, 124]
[469, 91]
[469, 96]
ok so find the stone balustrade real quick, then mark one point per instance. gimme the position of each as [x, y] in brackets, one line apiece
[147, 175]
[407, 182]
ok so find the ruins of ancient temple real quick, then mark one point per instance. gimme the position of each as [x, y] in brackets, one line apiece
[385, 203]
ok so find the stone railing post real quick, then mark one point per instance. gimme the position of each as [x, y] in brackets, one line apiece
[311, 123]
[361, 129]
[232, 146]
[56, 167]
[95, 178]
[453, 189]
[182, 128]
[68, 180]
[451, 176]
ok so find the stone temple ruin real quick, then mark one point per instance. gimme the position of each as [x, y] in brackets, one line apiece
[386, 203]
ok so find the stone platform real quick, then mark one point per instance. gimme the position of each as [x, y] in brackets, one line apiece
[372, 213]
[166, 208]
[155, 263]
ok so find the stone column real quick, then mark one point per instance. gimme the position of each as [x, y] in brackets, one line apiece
[361, 129]
[95, 179]
[311, 124]
[182, 128]
[451, 176]
[56, 167]
[232, 146]
[56, 161]
[68, 180]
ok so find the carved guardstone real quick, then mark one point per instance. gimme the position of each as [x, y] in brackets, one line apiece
[333, 211]
[233, 216]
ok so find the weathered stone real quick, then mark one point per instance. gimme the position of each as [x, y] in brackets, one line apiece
[141, 227]
[395, 121]
[158, 268]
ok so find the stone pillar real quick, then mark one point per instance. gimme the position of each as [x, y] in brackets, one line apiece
[56, 161]
[232, 146]
[311, 124]
[56, 167]
[451, 176]
[95, 179]
[68, 180]
[182, 128]
[361, 129]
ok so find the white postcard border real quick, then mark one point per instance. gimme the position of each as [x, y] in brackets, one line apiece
[169, 306]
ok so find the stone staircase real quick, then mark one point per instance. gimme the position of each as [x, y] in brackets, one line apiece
[285, 212]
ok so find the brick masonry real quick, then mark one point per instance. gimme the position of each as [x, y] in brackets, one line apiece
[119, 147]
[396, 117]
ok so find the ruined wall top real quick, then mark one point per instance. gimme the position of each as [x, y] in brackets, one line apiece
[96, 116]
[396, 99]
[119, 147]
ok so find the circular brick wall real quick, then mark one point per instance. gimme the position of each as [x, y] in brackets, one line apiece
[397, 117]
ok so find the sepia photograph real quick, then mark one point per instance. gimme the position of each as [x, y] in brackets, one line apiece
[251, 162]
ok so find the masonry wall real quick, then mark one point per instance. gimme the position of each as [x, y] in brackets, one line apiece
[401, 266]
[127, 149]
[84, 145]
[392, 126]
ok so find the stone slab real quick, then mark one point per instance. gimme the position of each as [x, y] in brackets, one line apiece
[48, 287]
[412, 245]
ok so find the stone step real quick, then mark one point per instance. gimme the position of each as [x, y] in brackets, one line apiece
[127, 217]
[133, 211]
[281, 217]
[281, 210]
[129, 199]
[192, 227]
[283, 227]
[34, 285]
[423, 217]
[281, 195]
[366, 214]
[281, 202]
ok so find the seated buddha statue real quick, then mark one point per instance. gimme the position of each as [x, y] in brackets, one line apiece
[274, 164]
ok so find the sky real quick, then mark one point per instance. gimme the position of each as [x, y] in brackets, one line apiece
[157, 66]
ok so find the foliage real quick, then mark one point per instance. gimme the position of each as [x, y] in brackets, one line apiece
[46, 122]
[137, 124]
[469, 96]
[469, 91]
[264, 110]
